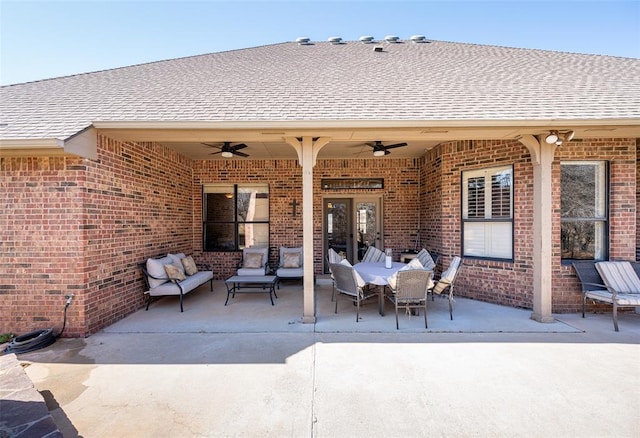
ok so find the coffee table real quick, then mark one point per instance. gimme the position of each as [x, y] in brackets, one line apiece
[251, 284]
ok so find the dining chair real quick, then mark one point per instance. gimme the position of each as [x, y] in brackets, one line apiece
[410, 291]
[373, 254]
[348, 284]
[333, 257]
[446, 281]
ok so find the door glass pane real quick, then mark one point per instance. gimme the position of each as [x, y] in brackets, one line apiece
[337, 226]
[366, 226]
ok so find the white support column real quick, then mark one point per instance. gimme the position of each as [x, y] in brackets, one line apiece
[542, 159]
[307, 149]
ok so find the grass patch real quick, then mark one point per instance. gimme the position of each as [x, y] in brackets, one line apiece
[6, 337]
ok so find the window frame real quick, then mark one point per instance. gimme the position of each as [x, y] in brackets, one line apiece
[465, 175]
[236, 223]
[605, 220]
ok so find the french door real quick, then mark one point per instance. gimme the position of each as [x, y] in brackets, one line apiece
[351, 225]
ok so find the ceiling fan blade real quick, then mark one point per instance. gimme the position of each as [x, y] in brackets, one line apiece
[213, 153]
[212, 145]
[392, 146]
[241, 154]
[238, 147]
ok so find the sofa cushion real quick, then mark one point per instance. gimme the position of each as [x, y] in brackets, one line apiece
[176, 259]
[155, 268]
[189, 265]
[173, 272]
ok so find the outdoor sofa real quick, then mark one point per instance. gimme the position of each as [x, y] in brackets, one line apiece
[174, 274]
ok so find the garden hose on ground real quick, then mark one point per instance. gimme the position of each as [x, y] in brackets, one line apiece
[38, 338]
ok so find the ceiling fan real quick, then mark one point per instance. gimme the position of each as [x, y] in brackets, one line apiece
[380, 150]
[227, 150]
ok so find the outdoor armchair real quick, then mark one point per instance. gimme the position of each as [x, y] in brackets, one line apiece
[446, 281]
[255, 261]
[291, 263]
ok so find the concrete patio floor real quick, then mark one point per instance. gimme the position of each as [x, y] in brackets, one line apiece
[254, 370]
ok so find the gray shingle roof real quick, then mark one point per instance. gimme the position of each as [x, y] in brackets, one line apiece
[431, 81]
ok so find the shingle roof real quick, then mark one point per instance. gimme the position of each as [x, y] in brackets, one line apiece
[431, 81]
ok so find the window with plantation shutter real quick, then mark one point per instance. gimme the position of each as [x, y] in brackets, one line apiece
[487, 213]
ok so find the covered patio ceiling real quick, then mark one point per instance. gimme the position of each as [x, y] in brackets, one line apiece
[347, 140]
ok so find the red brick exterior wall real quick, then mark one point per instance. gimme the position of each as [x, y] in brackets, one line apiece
[285, 184]
[72, 225]
[511, 283]
[81, 226]
[638, 199]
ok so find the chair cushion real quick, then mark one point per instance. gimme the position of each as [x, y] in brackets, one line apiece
[619, 276]
[606, 297]
[413, 264]
[291, 260]
[155, 268]
[359, 280]
[253, 260]
[426, 259]
[189, 265]
[173, 272]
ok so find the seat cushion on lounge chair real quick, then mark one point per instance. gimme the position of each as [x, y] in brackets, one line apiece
[619, 276]
[290, 272]
[607, 297]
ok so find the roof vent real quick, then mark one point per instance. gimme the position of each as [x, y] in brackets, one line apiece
[303, 41]
[335, 40]
[418, 38]
[366, 39]
[391, 39]
[378, 49]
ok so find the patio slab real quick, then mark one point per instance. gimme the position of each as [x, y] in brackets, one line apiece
[252, 369]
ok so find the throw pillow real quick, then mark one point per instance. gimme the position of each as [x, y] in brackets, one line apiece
[173, 272]
[176, 259]
[253, 260]
[189, 265]
[291, 260]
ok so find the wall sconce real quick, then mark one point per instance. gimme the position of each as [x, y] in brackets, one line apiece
[228, 195]
[558, 137]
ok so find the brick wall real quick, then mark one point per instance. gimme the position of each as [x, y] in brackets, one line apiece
[511, 283]
[285, 184]
[638, 199]
[41, 245]
[71, 225]
[81, 226]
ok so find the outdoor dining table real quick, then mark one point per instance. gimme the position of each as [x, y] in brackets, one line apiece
[376, 274]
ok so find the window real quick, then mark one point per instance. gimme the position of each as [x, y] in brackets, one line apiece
[583, 205]
[487, 213]
[235, 216]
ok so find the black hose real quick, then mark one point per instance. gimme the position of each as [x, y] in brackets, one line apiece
[36, 339]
